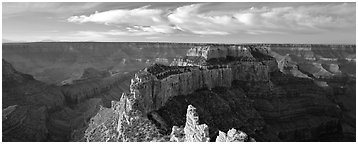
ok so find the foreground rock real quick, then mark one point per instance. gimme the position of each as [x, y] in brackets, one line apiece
[233, 135]
[196, 132]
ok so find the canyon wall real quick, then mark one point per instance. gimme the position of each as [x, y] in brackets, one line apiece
[210, 52]
[154, 93]
[84, 89]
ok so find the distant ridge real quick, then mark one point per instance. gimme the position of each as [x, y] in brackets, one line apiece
[4, 41]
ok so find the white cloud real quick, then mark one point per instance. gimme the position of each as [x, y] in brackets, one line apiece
[188, 19]
[255, 20]
[18, 8]
[138, 16]
[210, 32]
[301, 19]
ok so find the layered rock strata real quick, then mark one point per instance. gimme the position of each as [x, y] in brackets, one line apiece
[89, 87]
[25, 123]
[154, 89]
[294, 109]
[33, 99]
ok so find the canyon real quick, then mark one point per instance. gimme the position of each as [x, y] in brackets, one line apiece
[141, 91]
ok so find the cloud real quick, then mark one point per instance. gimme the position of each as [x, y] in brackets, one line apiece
[307, 19]
[138, 16]
[20, 8]
[188, 18]
[300, 19]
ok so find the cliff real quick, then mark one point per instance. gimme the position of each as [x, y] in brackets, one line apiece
[98, 84]
[85, 98]
[156, 84]
[211, 52]
[294, 109]
[267, 96]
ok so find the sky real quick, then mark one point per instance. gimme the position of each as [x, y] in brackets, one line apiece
[240, 22]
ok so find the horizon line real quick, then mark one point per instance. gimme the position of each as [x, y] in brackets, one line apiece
[174, 42]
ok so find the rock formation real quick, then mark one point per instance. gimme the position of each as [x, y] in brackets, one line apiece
[233, 135]
[133, 126]
[109, 87]
[195, 132]
[154, 85]
[275, 96]
[210, 52]
[177, 134]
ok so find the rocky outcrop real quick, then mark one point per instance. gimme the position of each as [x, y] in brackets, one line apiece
[230, 104]
[177, 134]
[154, 89]
[287, 66]
[195, 132]
[101, 127]
[133, 125]
[233, 135]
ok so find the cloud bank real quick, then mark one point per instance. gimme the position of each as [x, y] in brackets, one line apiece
[191, 19]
